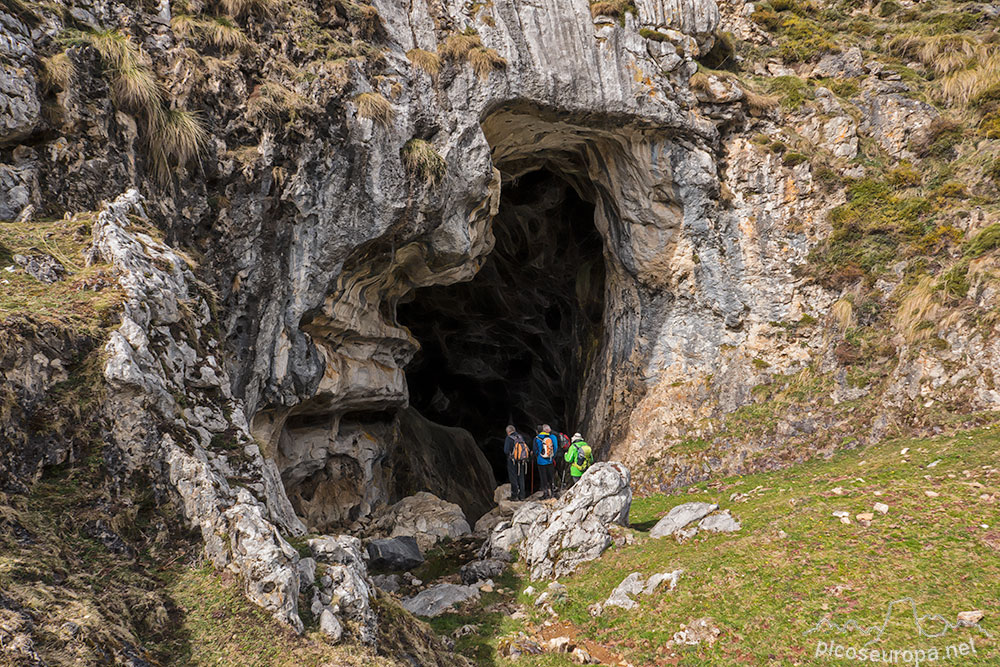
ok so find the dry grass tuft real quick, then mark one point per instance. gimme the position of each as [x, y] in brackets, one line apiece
[133, 84]
[613, 8]
[225, 34]
[366, 20]
[137, 88]
[375, 108]
[759, 104]
[272, 100]
[425, 60]
[423, 160]
[918, 311]
[458, 45]
[185, 25]
[485, 61]
[843, 314]
[467, 46]
[175, 138]
[240, 7]
[699, 81]
[57, 71]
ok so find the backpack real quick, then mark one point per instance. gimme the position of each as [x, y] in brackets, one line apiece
[564, 442]
[519, 452]
[584, 456]
[546, 449]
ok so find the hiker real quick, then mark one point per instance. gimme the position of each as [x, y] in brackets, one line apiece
[561, 465]
[546, 445]
[515, 449]
[580, 457]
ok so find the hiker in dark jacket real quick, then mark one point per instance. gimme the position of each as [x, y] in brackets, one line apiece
[546, 446]
[518, 455]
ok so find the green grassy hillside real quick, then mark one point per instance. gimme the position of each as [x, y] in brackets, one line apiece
[794, 563]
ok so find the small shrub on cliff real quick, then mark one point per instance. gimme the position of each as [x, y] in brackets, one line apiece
[955, 281]
[425, 60]
[723, 52]
[792, 159]
[421, 159]
[905, 175]
[225, 34]
[375, 108]
[791, 91]
[654, 35]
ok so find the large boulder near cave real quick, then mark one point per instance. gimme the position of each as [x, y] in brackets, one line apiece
[426, 518]
[394, 553]
[509, 533]
[555, 539]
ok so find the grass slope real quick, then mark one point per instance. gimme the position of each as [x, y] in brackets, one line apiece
[794, 563]
[86, 298]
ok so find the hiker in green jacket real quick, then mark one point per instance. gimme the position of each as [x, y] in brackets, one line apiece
[579, 456]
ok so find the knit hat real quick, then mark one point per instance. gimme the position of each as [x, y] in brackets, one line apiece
[577, 437]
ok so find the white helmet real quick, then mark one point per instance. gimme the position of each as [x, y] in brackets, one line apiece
[577, 437]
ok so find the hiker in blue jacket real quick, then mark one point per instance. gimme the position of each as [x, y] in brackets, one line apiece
[546, 445]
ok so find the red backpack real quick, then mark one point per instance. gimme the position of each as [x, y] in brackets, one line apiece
[564, 442]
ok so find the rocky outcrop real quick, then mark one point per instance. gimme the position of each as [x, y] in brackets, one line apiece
[19, 106]
[343, 594]
[685, 520]
[172, 414]
[426, 518]
[635, 584]
[481, 570]
[577, 531]
[508, 534]
[555, 539]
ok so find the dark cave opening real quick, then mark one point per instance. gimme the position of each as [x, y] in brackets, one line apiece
[513, 345]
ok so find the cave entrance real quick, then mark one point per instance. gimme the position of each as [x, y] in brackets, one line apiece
[514, 344]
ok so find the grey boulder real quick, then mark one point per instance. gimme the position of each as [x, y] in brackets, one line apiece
[480, 570]
[680, 516]
[438, 599]
[723, 522]
[577, 531]
[395, 553]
